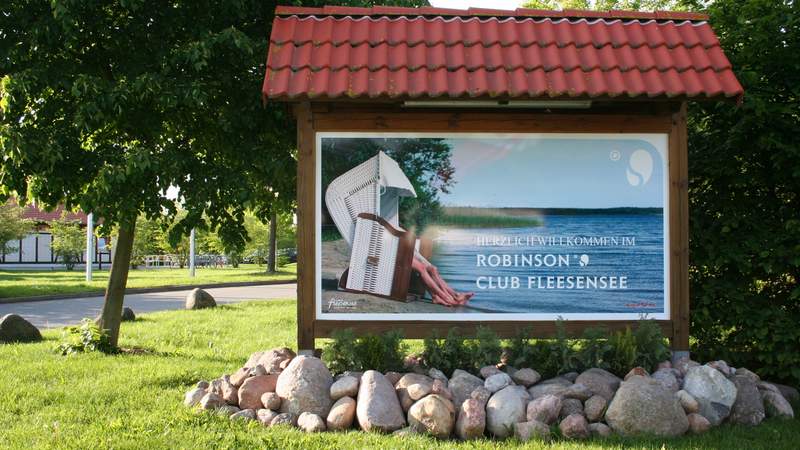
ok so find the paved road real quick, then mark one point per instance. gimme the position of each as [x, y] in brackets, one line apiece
[59, 313]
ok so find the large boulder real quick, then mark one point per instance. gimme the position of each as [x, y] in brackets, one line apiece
[378, 408]
[574, 426]
[714, 393]
[748, 409]
[305, 387]
[310, 423]
[600, 382]
[199, 299]
[595, 408]
[14, 328]
[497, 381]
[471, 421]
[525, 431]
[526, 377]
[422, 384]
[505, 408]
[342, 414]
[462, 384]
[253, 388]
[434, 415]
[668, 379]
[644, 406]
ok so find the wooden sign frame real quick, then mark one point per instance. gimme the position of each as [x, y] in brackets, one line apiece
[611, 117]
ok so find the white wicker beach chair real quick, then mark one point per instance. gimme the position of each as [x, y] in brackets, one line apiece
[374, 186]
[364, 204]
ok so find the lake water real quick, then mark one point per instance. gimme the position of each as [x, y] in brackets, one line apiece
[611, 245]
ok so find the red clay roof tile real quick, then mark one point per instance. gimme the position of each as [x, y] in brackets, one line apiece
[393, 52]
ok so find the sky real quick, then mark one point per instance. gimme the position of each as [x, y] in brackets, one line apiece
[464, 4]
[596, 172]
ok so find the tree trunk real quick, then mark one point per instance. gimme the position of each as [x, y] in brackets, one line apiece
[111, 316]
[273, 231]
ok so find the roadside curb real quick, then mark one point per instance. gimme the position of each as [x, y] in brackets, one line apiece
[43, 298]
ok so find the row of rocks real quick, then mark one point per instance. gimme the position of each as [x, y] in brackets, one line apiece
[277, 387]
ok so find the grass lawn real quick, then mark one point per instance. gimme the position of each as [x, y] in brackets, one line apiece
[135, 401]
[25, 283]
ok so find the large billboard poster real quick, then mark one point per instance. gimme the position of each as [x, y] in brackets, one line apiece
[487, 226]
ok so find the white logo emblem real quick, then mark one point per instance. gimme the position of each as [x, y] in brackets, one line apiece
[640, 168]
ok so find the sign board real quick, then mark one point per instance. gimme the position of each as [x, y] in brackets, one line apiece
[434, 226]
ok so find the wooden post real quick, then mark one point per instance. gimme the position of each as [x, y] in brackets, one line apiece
[679, 233]
[306, 228]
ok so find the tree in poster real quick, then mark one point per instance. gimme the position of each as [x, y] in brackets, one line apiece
[425, 161]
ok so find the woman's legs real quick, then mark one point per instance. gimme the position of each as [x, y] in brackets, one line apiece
[441, 292]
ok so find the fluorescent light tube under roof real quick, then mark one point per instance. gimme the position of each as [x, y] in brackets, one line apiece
[533, 104]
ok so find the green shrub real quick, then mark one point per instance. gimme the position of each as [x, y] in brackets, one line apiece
[623, 352]
[86, 337]
[446, 354]
[595, 349]
[345, 351]
[486, 349]
[651, 345]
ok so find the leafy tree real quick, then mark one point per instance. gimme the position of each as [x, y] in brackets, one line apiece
[426, 162]
[69, 240]
[258, 245]
[12, 227]
[147, 240]
[744, 194]
[105, 104]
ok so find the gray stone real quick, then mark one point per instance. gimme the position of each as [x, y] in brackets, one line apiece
[434, 415]
[258, 371]
[553, 386]
[271, 360]
[688, 402]
[526, 431]
[342, 414]
[488, 371]
[199, 299]
[714, 393]
[227, 410]
[408, 380]
[546, 409]
[722, 366]
[571, 406]
[497, 381]
[211, 401]
[271, 400]
[594, 408]
[637, 371]
[244, 415]
[471, 421]
[378, 408]
[14, 328]
[578, 391]
[570, 376]
[697, 423]
[600, 382]
[775, 405]
[668, 379]
[202, 385]
[128, 315]
[788, 392]
[437, 374]
[254, 388]
[416, 391]
[526, 377]
[265, 416]
[311, 423]
[392, 377]
[748, 409]
[305, 386]
[684, 364]
[440, 388]
[289, 419]
[505, 408]
[741, 371]
[643, 406]
[462, 384]
[574, 426]
[600, 430]
[193, 397]
[346, 386]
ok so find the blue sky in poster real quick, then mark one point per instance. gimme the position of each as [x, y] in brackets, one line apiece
[556, 173]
